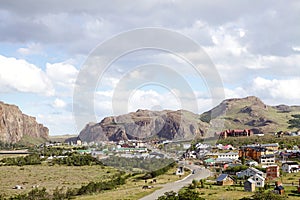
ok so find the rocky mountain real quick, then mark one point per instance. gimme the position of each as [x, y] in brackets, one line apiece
[165, 124]
[237, 113]
[251, 113]
[14, 125]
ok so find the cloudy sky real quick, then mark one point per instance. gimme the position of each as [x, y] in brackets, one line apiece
[254, 47]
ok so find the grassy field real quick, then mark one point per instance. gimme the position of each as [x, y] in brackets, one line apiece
[132, 190]
[49, 177]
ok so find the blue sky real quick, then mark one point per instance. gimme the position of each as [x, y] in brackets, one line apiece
[254, 46]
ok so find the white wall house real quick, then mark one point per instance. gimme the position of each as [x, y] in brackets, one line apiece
[259, 180]
[249, 172]
[267, 159]
[290, 167]
[231, 155]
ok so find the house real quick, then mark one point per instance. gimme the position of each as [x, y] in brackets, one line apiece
[180, 171]
[290, 167]
[258, 179]
[249, 172]
[279, 189]
[224, 179]
[249, 185]
[251, 163]
[231, 155]
[252, 152]
[268, 159]
[272, 172]
[272, 146]
[233, 133]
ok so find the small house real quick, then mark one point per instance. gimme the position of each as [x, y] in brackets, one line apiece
[290, 167]
[251, 163]
[272, 172]
[267, 159]
[224, 179]
[249, 185]
[259, 180]
[249, 172]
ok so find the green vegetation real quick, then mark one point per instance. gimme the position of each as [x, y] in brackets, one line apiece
[32, 159]
[284, 142]
[77, 160]
[185, 194]
[295, 122]
[11, 146]
[144, 164]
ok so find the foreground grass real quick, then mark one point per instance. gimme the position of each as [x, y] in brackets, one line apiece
[49, 177]
[133, 188]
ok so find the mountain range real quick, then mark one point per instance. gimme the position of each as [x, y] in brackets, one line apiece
[236, 113]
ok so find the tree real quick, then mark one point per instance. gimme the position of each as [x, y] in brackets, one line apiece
[169, 196]
[294, 123]
[269, 195]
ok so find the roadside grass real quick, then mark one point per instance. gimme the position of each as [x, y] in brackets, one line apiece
[133, 188]
[290, 178]
[214, 192]
[50, 177]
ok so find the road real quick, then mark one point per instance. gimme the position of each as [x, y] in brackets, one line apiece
[200, 173]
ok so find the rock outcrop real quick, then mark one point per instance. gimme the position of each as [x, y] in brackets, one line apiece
[14, 125]
[145, 124]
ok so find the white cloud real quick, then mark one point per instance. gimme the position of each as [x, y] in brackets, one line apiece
[59, 103]
[32, 48]
[283, 89]
[63, 75]
[19, 75]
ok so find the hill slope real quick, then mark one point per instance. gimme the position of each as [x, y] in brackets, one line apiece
[238, 113]
[251, 112]
[15, 126]
[146, 124]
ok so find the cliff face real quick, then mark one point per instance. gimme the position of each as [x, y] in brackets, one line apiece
[145, 124]
[14, 125]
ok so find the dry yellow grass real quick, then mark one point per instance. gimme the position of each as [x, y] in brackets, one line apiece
[49, 177]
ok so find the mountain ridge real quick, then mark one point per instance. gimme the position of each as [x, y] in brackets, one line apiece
[236, 113]
[15, 125]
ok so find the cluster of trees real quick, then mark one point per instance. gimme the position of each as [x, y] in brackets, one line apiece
[190, 194]
[77, 160]
[10, 146]
[295, 122]
[146, 164]
[185, 194]
[160, 171]
[61, 193]
[32, 159]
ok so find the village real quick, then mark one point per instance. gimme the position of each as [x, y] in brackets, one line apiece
[253, 167]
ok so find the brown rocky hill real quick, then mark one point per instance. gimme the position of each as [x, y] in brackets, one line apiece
[14, 125]
[252, 113]
[147, 124]
[237, 113]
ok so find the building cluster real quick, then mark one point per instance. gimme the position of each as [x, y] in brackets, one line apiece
[224, 158]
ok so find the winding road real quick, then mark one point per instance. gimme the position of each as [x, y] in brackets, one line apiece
[199, 173]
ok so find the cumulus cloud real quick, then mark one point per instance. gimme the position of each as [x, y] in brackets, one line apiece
[59, 103]
[275, 88]
[63, 76]
[19, 75]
